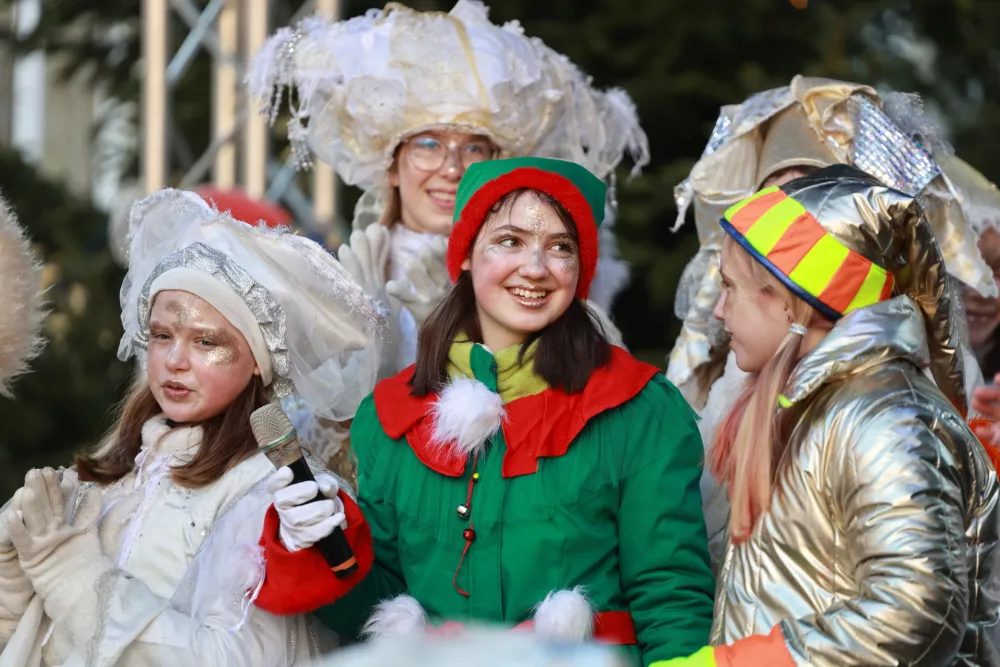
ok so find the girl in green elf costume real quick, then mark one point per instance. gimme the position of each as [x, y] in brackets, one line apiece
[523, 471]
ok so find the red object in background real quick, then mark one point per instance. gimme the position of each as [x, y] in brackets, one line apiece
[243, 207]
[978, 422]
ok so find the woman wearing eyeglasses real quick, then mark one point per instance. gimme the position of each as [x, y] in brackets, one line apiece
[402, 102]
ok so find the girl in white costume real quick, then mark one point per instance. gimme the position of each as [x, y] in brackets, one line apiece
[145, 553]
[400, 102]
[770, 138]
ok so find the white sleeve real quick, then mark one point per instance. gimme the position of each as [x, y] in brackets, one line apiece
[211, 618]
[139, 629]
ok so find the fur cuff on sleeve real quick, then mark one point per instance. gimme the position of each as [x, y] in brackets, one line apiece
[301, 581]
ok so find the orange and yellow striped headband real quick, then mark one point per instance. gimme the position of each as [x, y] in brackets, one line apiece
[787, 239]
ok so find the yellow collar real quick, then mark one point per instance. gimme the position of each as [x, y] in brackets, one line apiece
[499, 371]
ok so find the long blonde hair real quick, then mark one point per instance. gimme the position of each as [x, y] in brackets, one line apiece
[751, 441]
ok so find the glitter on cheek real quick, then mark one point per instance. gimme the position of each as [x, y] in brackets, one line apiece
[569, 265]
[223, 355]
[224, 351]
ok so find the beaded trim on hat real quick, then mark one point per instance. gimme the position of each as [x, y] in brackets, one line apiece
[270, 317]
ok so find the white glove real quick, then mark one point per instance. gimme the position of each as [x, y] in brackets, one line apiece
[305, 523]
[427, 281]
[16, 590]
[63, 561]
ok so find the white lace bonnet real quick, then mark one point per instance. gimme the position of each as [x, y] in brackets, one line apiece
[312, 329]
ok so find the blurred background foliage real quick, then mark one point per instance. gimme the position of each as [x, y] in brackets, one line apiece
[679, 60]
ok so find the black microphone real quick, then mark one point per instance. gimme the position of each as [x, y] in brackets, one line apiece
[278, 441]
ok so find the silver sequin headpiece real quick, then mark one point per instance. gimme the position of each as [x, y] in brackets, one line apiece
[270, 318]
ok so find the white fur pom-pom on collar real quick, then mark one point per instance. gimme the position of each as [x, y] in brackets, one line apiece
[466, 415]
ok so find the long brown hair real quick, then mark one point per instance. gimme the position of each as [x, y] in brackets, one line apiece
[227, 439]
[750, 445]
[569, 350]
[393, 211]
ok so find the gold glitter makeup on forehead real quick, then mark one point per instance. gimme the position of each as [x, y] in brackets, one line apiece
[181, 311]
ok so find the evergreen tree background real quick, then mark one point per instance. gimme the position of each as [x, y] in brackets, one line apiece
[64, 404]
[679, 60]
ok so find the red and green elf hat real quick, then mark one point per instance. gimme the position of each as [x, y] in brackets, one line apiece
[579, 191]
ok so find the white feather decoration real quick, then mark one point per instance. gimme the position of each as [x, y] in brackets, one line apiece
[21, 300]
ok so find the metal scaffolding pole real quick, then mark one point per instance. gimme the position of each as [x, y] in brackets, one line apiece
[154, 94]
[255, 131]
[225, 95]
[230, 32]
[325, 183]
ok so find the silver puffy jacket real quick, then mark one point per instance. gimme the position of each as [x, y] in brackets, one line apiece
[880, 544]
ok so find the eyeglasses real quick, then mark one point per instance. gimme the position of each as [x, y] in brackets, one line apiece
[428, 153]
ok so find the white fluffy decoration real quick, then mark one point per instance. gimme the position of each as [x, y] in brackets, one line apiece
[478, 646]
[565, 615]
[247, 575]
[466, 414]
[398, 616]
[21, 300]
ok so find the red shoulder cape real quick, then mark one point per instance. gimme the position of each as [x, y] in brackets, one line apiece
[541, 425]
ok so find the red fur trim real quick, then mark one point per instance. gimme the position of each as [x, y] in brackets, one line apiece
[300, 582]
[463, 234]
[539, 426]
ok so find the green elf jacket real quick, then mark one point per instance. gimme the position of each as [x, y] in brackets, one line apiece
[597, 490]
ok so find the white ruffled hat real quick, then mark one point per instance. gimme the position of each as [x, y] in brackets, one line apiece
[363, 85]
[308, 323]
